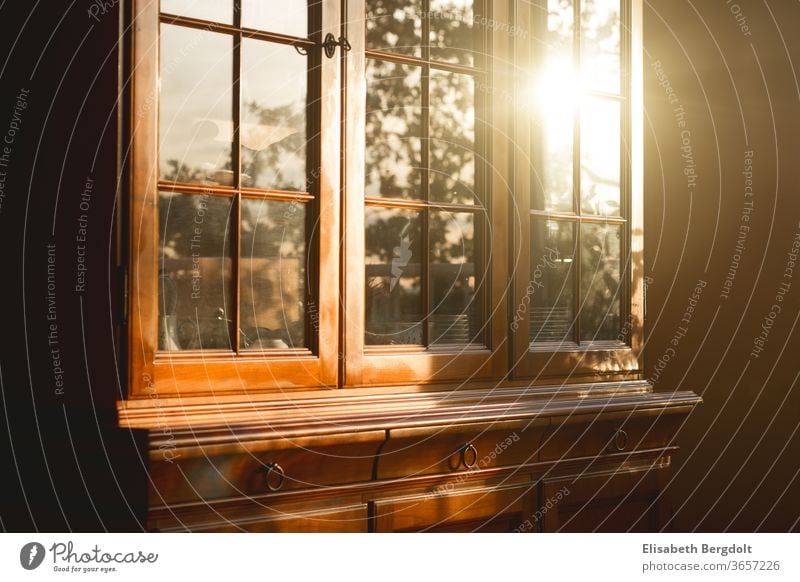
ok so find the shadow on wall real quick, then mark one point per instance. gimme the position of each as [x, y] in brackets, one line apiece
[722, 136]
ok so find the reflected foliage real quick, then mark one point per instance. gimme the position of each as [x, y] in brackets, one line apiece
[600, 44]
[455, 313]
[393, 277]
[551, 288]
[397, 142]
[195, 268]
[452, 138]
[393, 130]
[272, 273]
[600, 278]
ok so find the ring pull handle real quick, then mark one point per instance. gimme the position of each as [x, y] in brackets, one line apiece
[469, 456]
[620, 440]
[275, 476]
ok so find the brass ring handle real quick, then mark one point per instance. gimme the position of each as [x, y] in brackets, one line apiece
[469, 448]
[274, 468]
[620, 440]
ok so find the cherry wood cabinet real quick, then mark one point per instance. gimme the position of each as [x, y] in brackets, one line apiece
[402, 288]
[583, 458]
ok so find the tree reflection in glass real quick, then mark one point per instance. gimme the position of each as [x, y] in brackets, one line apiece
[429, 156]
[272, 273]
[393, 130]
[551, 289]
[393, 276]
[600, 45]
[452, 138]
[455, 314]
[195, 298]
[454, 38]
[600, 281]
[395, 26]
[273, 126]
[196, 114]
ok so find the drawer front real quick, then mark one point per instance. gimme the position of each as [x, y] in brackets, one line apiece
[486, 509]
[342, 520]
[195, 474]
[589, 437]
[409, 453]
[249, 516]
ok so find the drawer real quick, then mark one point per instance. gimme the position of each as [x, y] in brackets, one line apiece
[250, 516]
[343, 520]
[459, 448]
[482, 509]
[586, 436]
[191, 474]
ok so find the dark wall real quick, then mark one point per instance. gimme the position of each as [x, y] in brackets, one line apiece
[732, 68]
[65, 465]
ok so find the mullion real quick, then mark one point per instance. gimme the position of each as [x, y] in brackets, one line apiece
[237, 169]
[625, 163]
[425, 193]
[425, 176]
[576, 169]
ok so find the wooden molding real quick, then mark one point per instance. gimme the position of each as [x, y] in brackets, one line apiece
[216, 423]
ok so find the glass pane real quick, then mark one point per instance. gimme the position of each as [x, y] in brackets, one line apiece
[600, 276]
[600, 157]
[393, 130]
[555, 94]
[196, 114]
[455, 313]
[216, 10]
[195, 299]
[273, 130]
[272, 274]
[560, 26]
[393, 273]
[395, 25]
[276, 16]
[551, 287]
[455, 31]
[452, 138]
[600, 45]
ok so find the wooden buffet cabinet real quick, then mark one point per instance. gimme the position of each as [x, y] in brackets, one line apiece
[577, 458]
[318, 342]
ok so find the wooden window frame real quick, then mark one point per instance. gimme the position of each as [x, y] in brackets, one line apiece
[598, 360]
[416, 365]
[220, 372]
[340, 358]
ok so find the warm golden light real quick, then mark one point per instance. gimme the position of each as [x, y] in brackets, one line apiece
[558, 89]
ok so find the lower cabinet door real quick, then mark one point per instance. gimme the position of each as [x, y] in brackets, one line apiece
[250, 517]
[615, 502]
[351, 520]
[482, 509]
